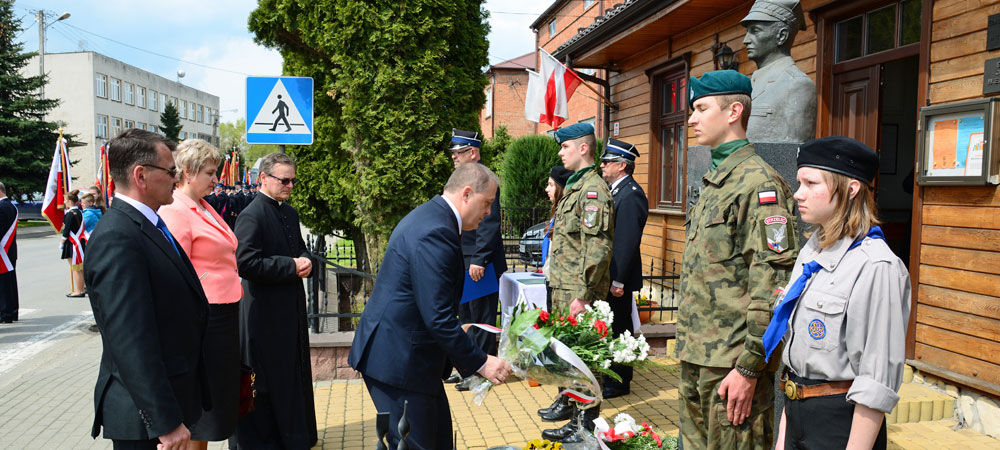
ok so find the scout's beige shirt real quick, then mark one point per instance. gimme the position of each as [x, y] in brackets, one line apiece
[850, 322]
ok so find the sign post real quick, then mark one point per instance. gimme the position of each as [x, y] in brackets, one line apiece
[279, 110]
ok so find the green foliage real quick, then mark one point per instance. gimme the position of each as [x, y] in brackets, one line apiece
[170, 122]
[526, 165]
[26, 139]
[391, 82]
[232, 135]
[494, 148]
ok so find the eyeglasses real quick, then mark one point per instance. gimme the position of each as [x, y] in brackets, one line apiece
[283, 181]
[171, 171]
[460, 152]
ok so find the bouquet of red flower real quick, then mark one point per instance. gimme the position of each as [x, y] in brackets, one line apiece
[626, 434]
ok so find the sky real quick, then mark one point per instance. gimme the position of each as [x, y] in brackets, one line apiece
[164, 36]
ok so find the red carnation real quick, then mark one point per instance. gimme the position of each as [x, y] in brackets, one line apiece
[572, 320]
[601, 327]
[543, 316]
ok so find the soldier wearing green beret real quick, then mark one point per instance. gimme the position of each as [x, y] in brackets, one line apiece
[580, 262]
[740, 247]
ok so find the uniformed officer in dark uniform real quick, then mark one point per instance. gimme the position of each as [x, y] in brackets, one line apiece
[631, 211]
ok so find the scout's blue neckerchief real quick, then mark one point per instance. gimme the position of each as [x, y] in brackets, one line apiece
[779, 322]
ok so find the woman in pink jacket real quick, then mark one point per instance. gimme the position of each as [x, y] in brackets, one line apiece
[211, 246]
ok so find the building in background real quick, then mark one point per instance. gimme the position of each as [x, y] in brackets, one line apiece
[100, 97]
[505, 97]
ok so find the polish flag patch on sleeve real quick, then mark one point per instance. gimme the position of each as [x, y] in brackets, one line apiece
[591, 194]
[767, 197]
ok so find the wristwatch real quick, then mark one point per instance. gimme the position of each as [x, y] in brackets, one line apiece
[747, 372]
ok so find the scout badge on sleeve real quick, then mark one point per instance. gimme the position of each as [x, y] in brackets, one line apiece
[590, 218]
[775, 230]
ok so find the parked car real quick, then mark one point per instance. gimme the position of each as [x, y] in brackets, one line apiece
[530, 248]
[28, 210]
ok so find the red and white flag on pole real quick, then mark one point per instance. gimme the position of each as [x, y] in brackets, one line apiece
[549, 91]
[58, 185]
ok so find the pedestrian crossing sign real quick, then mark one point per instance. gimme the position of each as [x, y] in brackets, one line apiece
[279, 110]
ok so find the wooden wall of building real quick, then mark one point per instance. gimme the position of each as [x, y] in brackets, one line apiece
[958, 296]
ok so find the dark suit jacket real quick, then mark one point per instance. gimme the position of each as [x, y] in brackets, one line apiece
[631, 211]
[410, 331]
[8, 215]
[152, 313]
[484, 245]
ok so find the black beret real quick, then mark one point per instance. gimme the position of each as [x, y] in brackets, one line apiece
[560, 174]
[841, 155]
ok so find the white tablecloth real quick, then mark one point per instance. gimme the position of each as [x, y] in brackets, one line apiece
[512, 287]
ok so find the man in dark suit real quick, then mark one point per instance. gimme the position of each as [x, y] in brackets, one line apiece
[273, 260]
[148, 303]
[8, 258]
[631, 211]
[480, 248]
[409, 338]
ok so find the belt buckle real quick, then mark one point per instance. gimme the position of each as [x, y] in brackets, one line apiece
[791, 390]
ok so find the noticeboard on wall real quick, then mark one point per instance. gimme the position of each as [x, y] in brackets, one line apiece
[956, 143]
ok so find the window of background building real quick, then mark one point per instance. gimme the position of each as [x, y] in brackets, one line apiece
[116, 90]
[208, 115]
[129, 94]
[102, 86]
[129, 124]
[201, 113]
[140, 97]
[116, 126]
[141, 125]
[879, 30]
[669, 117]
[152, 100]
[193, 112]
[587, 3]
[173, 101]
[489, 102]
[102, 126]
[552, 28]
[183, 135]
[163, 102]
[184, 109]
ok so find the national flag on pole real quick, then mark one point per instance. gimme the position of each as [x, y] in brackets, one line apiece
[58, 184]
[549, 91]
[104, 181]
[225, 172]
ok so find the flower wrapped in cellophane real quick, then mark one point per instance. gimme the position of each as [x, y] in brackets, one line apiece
[626, 434]
[559, 349]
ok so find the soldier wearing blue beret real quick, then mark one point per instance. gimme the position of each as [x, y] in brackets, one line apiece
[581, 248]
[740, 247]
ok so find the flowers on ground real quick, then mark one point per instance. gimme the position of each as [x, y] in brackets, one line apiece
[626, 434]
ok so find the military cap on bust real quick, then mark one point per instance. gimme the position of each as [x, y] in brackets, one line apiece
[719, 82]
[560, 175]
[575, 131]
[787, 11]
[841, 155]
[619, 150]
[462, 139]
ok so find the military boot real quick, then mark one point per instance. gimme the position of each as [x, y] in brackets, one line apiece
[560, 411]
[585, 427]
[560, 399]
[558, 434]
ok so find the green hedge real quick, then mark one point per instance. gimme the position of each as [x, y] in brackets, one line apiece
[525, 171]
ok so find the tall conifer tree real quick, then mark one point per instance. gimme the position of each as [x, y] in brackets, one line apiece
[170, 122]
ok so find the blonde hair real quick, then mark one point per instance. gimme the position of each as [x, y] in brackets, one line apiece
[851, 216]
[192, 155]
[728, 99]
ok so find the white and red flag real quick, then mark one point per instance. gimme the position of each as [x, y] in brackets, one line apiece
[58, 185]
[549, 91]
[104, 181]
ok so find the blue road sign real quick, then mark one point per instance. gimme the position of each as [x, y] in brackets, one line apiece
[279, 110]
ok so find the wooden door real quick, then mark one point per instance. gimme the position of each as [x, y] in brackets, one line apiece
[855, 104]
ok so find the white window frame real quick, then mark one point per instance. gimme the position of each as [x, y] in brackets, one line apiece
[153, 95]
[141, 125]
[129, 124]
[140, 97]
[102, 126]
[102, 85]
[489, 102]
[129, 94]
[115, 90]
[201, 113]
[552, 28]
[163, 102]
[116, 126]
[184, 109]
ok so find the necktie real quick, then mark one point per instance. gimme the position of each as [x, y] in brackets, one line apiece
[779, 321]
[166, 233]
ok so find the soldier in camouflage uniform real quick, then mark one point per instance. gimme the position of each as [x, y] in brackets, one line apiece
[740, 247]
[580, 264]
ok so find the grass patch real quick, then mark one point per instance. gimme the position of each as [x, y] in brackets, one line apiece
[342, 253]
[31, 223]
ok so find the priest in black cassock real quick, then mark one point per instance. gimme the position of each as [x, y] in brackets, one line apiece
[272, 260]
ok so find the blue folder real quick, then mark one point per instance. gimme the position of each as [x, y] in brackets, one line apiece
[486, 285]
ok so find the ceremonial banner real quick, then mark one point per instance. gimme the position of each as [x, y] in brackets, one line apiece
[58, 184]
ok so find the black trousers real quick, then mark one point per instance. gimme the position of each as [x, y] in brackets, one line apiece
[821, 422]
[481, 310]
[8, 295]
[429, 416]
[622, 308]
[135, 445]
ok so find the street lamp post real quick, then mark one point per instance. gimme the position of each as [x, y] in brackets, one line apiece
[41, 45]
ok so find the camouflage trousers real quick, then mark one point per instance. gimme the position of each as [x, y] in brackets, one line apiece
[561, 298]
[703, 413]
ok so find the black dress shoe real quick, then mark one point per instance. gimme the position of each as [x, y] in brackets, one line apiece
[465, 384]
[560, 399]
[72, 295]
[453, 379]
[560, 412]
[615, 391]
[561, 433]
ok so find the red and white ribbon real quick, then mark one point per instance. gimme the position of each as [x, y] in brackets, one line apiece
[6, 265]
